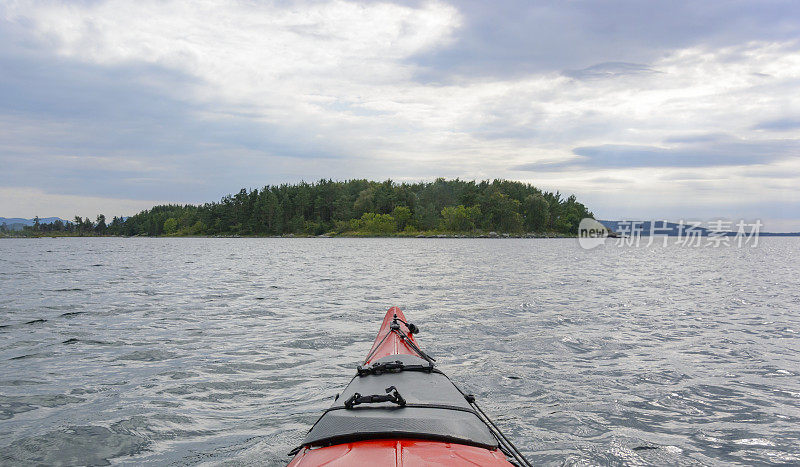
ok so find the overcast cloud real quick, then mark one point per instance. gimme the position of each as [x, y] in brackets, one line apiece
[642, 109]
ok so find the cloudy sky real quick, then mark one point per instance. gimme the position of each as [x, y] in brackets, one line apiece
[642, 109]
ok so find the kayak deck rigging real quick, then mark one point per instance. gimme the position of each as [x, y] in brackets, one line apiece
[395, 341]
[399, 403]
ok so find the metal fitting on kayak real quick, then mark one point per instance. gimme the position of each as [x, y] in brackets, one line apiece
[412, 328]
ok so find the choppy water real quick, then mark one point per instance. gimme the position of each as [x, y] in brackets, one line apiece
[184, 351]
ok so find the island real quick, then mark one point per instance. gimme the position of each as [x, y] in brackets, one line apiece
[355, 208]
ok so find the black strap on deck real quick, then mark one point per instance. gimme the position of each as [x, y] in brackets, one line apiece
[396, 366]
[391, 396]
[408, 405]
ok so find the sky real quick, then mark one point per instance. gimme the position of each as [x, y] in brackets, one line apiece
[643, 110]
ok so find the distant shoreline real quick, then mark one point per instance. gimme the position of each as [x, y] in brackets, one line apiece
[290, 236]
[397, 235]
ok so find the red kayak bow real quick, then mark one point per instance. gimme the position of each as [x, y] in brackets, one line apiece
[401, 411]
[393, 343]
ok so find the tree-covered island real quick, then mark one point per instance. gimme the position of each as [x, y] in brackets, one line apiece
[351, 208]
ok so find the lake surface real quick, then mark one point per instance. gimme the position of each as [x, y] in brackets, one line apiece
[186, 351]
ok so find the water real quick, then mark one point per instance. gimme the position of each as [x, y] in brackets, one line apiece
[185, 351]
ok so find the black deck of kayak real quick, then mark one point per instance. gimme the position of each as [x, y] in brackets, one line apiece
[435, 410]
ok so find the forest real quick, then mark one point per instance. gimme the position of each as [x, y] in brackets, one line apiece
[353, 207]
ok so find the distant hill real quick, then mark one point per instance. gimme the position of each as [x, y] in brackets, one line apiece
[16, 223]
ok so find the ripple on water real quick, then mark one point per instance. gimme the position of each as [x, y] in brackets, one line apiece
[10, 406]
[148, 356]
[72, 314]
[75, 445]
[182, 351]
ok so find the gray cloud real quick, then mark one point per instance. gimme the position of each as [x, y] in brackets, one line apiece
[609, 70]
[92, 130]
[698, 138]
[609, 180]
[779, 124]
[611, 156]
[776, 174]
[515, 37]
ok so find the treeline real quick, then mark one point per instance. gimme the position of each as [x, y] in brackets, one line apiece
[82, 226]
[355, 207]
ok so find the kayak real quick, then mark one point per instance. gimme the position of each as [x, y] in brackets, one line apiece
[399, 409]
